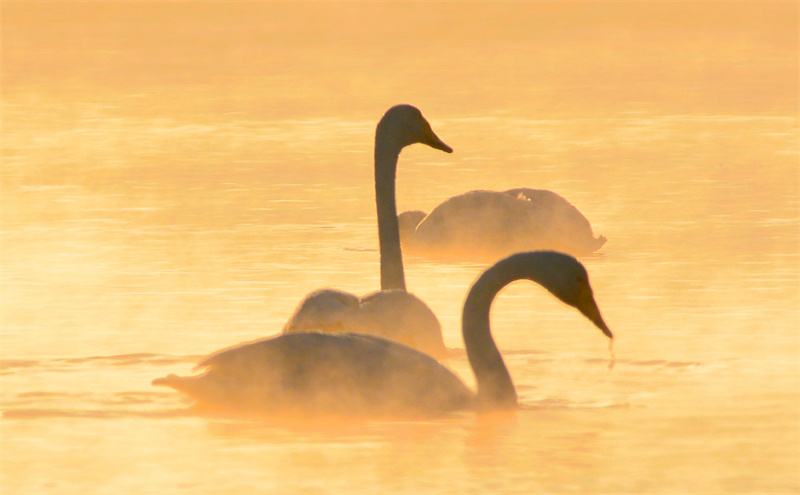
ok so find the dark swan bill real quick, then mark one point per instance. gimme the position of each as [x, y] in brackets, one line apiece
[353, 375]
[432, 140]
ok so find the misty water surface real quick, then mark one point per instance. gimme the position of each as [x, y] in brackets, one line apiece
[176, 177]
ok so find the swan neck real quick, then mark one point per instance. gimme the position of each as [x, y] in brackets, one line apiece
[392, 274]
[495, 387]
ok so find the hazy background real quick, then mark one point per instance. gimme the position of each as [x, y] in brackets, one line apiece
[176, 176]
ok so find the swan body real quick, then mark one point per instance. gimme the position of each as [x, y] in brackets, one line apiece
[310, 374]
[364, 375]
[490, 224]
[392, 313]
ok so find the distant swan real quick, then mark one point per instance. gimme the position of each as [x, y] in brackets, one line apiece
[391, 312]
[363, 375]
[486, 225]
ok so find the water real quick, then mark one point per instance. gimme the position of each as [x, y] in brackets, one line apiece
[175, 177]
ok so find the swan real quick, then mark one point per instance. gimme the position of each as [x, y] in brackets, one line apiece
[307, 374]
[487, 225]
[391, 312]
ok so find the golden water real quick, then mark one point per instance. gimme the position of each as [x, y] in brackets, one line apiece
[176, 176]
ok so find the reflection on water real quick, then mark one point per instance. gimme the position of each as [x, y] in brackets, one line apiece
[174, 185]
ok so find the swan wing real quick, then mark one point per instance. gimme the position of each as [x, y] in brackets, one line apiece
[566, 227]
[402, 317]
[480, 224]
[491, 224]
[323, 310]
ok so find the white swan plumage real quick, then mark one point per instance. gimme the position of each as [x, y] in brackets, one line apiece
[392, 312]
[487, 225]
[308, 374]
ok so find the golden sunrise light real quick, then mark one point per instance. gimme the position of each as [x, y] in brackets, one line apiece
[400, 247]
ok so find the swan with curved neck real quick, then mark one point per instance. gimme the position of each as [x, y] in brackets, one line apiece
[391, 312]
[364, 375]
[487, 225]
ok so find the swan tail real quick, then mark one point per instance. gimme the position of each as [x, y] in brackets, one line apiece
[198, 387]
[586, 247]
[188, 385]
[167, 381]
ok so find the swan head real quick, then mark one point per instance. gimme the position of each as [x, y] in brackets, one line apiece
[566, 278]
[404, 125]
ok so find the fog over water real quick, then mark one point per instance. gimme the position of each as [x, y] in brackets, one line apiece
[177, 176]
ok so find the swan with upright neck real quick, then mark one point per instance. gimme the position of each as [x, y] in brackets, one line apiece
[365, 375]
[392, 312]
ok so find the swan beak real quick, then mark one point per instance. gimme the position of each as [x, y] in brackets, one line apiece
[589, 308]
[432, 140]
